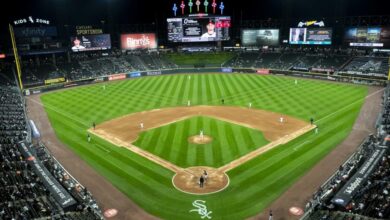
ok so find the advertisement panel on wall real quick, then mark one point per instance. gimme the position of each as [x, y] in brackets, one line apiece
[259, 37]
[90, 42]
[367, 36]
[138, 41]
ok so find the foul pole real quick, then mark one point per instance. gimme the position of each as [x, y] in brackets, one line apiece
[16, 55]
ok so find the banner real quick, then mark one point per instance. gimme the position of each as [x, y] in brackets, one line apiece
[153, 73]
[88, 30]
[56, 80]
[227, 70]
[138, 41]
[28, 32]
[263, 71]
[322, 70]
[345, 195]
[57, 191]
[134, 75]
[117, 77]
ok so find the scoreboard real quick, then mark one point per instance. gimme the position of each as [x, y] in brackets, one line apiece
[199, 29]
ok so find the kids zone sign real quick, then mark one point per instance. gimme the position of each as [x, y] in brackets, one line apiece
[138, 41]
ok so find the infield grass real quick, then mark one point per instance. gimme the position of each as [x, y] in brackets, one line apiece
[253, 185]
[229, 142]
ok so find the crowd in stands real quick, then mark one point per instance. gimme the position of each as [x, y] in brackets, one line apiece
[23, 192]
[90, 65]
[370, 198]
[289, 60]
[367, 66]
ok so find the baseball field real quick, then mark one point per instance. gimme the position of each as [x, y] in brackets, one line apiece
[259, 156]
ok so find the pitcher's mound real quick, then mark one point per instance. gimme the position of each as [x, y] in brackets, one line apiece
[197, 139]
[187, 180]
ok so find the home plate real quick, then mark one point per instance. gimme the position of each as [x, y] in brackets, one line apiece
[296, 211]
[109, 213]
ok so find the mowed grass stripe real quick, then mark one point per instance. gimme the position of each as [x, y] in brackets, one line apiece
[249, 187]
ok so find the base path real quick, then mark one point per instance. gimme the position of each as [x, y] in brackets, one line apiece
[125, 130]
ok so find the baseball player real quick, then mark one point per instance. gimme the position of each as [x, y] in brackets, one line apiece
[89, 138]
[281, 119]
[205, 175]
[188, 103]
[250, 104]
[141, 125]
[201, 181]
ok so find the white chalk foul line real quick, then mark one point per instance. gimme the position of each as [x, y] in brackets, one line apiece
[102, 148]
[299, 146]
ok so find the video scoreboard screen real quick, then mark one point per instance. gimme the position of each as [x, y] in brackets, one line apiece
[90, 42]
[198, 29]
[311, 36]
[368, 37]
[260, 37]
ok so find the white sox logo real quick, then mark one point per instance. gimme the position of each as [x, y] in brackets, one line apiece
[201, 209]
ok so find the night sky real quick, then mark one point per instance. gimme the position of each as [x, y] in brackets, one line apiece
[89, 12]
[75, 12]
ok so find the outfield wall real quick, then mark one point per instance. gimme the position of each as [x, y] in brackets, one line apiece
[223, 70]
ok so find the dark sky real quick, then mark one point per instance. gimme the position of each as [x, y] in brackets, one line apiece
[143, 11]
[85, 12]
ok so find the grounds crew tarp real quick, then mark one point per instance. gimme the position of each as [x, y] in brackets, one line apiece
[57, 191]
[345, 195]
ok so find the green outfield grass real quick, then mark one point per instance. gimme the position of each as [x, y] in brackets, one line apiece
[190, 59]
[229, 142]
[253, 185]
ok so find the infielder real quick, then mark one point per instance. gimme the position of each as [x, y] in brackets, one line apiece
[141, 125]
